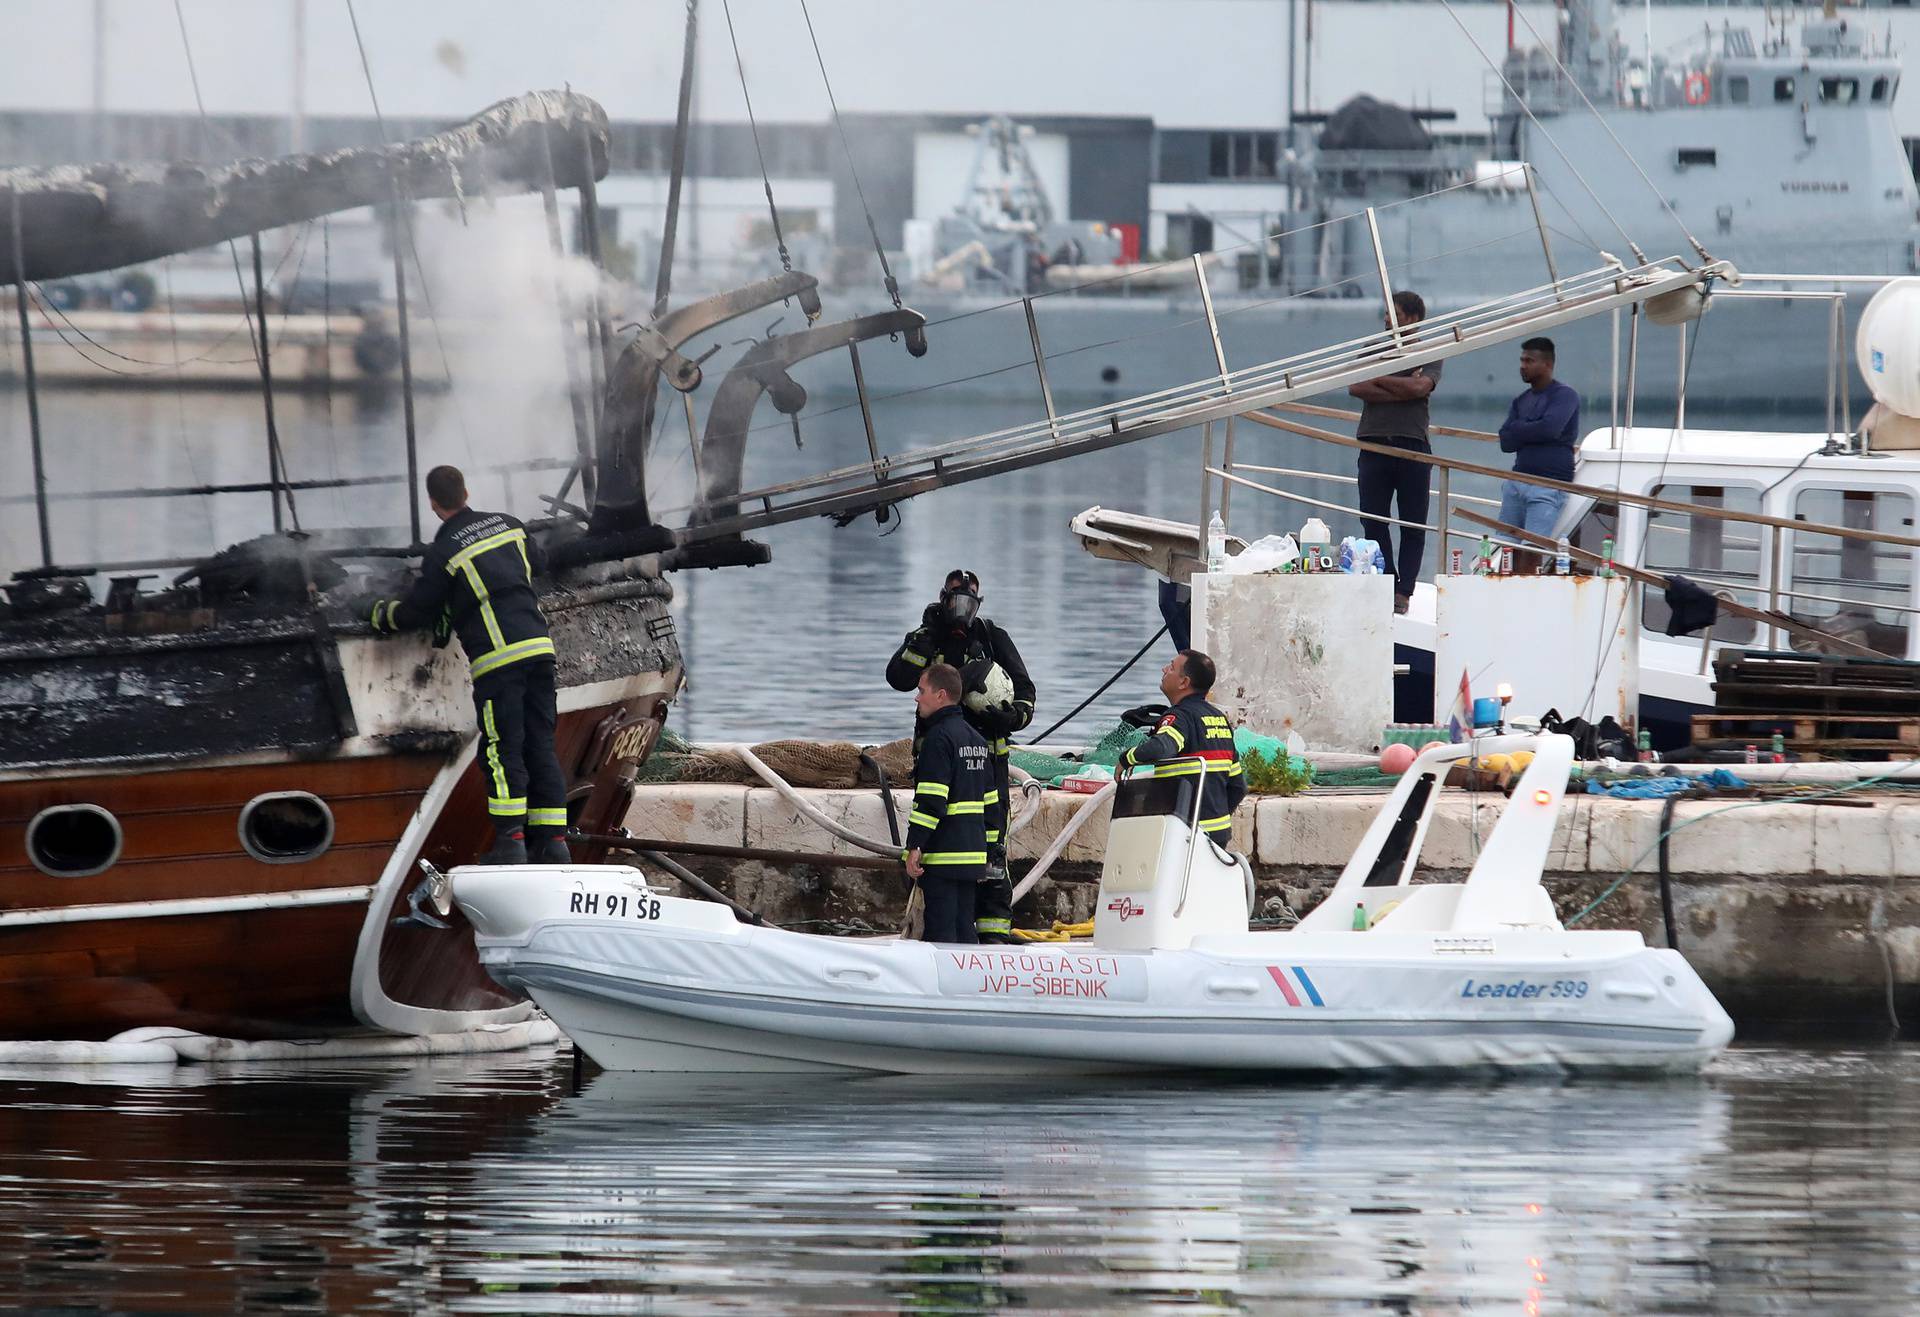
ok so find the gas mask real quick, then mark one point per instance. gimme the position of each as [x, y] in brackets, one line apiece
[960, 602]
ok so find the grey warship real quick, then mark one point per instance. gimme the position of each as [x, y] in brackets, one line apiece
[1774, 150]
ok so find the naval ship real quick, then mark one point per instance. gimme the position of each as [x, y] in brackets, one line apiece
[1775, 150]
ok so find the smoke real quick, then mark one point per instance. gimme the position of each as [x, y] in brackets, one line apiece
[510, 313]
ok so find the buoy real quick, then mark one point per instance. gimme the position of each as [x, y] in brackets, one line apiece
[1698, 88]
[1396, 758]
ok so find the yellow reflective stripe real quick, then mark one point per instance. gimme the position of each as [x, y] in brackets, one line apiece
[486, 607]
[913, 658]
[1215, 825]
[462, 559]
[536, 647]
[924, 820]
[999, 925]
[993, 796]
[967, 807]
[512, 806]
[954, 857]
[1177, 768]
[525, 561]
[931, 789]
[993, 835]
[1222, 766]
[998, 747]
[493, 750]
[1172, 733]
[547, 818]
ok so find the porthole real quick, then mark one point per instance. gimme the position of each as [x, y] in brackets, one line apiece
[286, 827]
[73, 841]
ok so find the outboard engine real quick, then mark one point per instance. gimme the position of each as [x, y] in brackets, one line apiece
[1164, 882]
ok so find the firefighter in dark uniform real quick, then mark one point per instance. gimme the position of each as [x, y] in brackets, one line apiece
[947, 831]
[476, 581]
[998, 701]
[1196, 735]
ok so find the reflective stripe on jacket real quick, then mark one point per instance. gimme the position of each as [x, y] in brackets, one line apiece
[478, 573]
[952, 783]
[1195, 737]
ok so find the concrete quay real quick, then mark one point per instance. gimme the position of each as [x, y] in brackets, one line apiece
[1801, 918]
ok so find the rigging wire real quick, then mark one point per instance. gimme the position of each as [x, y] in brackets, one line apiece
[892, 284]
[404, 228]
[49, 309]
[179, 393]
[786, 261]
[277, 458]
[1026, 363]
[1580, 178]
[1574, 82]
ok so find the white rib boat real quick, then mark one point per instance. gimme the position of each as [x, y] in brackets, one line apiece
[1446, 976]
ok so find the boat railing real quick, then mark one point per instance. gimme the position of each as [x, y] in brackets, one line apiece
[1774, 586]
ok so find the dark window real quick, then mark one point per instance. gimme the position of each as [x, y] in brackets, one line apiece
[1723, 557]
[286, 827]
[1840, 91]
[1879, 89]
[73, 841]
[1864, 585]
[1737, 90]
[1783, 89]
[1243, 155]
[1697, 155]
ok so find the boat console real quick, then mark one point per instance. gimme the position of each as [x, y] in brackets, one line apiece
[1501, 891]
[1164, 882]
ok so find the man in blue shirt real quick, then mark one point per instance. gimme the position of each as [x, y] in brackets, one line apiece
[1542, 430]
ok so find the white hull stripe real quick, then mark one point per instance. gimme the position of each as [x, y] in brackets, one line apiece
[196, 905]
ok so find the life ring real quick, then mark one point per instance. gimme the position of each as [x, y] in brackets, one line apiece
[1698, 88]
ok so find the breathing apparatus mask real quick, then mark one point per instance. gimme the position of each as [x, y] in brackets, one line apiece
[960, 598]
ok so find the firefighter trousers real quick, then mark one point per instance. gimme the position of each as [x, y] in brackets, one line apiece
[949, 896]
[516, 709]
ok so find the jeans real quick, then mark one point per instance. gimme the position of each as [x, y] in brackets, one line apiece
[1385, 481]
[1531, 507]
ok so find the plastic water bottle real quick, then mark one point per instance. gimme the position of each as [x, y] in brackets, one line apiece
[1216, 544]
[1606, 557]
[1562, 559]
[1779, 748]
[1359, 916]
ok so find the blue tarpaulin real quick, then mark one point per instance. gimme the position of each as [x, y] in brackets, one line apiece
[1659, 788]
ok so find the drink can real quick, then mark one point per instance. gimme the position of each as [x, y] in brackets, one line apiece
[1753, 754]
[1455, 562]
[1506, 561]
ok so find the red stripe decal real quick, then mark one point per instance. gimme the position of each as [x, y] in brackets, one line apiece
[1286, 989]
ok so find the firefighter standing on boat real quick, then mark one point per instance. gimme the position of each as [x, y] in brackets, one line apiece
[998, 702]
[1195, 737]
[946, 850]
[476, 581]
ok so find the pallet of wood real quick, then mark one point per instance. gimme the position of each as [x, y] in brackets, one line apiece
[1844, 735]
[1814, 680]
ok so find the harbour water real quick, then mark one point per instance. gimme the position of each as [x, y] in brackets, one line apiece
[1776, 1182]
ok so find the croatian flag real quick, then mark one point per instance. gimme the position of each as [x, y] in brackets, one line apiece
[1460, 717]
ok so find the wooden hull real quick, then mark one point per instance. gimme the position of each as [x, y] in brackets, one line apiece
[188, 930]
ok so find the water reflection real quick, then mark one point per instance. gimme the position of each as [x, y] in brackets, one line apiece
[486, 1185]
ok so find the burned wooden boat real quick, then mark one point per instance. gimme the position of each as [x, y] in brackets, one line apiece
[213, 795]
